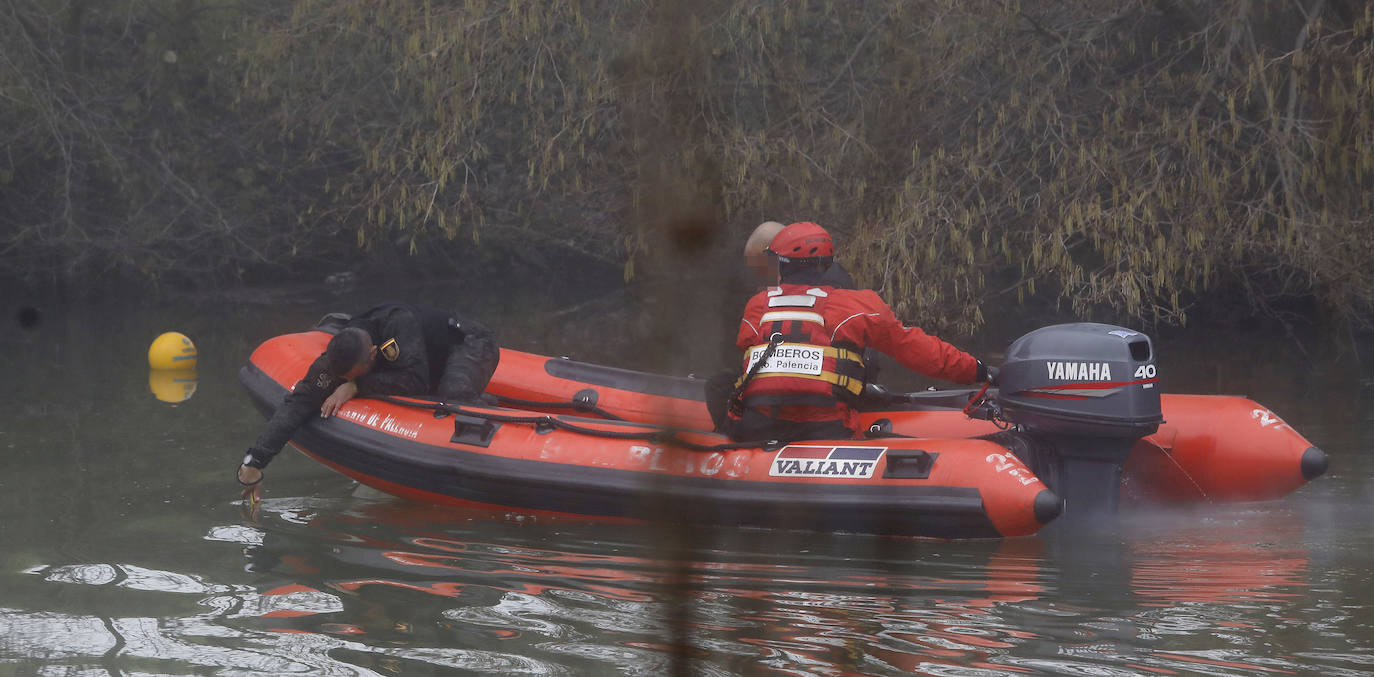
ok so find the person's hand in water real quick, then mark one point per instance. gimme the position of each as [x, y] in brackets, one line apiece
[251, 479]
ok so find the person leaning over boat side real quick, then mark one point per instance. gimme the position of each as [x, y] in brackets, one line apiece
[392, 349]
[810, 336]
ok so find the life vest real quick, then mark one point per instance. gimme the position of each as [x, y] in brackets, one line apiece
[803, 369]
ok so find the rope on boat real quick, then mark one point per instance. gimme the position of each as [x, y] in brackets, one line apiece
[978, 406]
[575, 405]
[669, 436]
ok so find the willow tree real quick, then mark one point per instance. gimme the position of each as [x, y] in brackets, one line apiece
[121, 153]
[426, 122]
[1141, 155]
[1132, 158]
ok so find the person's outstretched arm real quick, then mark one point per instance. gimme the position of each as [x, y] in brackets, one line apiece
[910, 346]
[300, 404]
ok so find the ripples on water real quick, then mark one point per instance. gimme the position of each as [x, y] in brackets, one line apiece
[361, 586]
[121, 554]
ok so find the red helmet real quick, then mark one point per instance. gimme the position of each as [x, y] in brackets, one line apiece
[804, 240]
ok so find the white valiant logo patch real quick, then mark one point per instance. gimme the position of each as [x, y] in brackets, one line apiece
[804, 460]
[1080, 371]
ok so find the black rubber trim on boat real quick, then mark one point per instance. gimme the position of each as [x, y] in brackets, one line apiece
[920, 400]
[1313, 463]
[938, 511]
[686, 388]
[1047, 506]
[332, 323]
[583, 401]
[480, 477]
[882, 428]
[627, 379]
[545, 423]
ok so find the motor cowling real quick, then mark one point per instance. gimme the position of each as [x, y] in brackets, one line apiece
[1083, 378]
[1080, 394]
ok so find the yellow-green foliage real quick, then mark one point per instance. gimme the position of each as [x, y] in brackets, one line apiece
[967, 152]
[1133, 154]
[1121, 154]
[441, 119]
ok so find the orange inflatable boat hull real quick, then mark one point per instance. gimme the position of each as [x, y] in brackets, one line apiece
[1209, 448]
[582, 463]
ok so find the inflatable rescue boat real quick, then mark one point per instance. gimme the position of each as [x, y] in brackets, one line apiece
[576, 438]
[1073, 399]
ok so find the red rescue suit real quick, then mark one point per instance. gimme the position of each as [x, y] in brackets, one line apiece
[822, 330]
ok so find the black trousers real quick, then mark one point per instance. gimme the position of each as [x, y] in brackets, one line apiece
[719, 388]
[468, 369]
[754, 425]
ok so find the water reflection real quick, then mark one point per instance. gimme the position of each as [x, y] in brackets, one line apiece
[1171, 572]
[172, 385]
[737, 606]
[346, 586]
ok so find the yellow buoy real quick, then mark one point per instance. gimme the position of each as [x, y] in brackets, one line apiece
[172, 351]
[172, 385]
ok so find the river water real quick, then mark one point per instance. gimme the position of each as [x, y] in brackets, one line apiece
[124, 549]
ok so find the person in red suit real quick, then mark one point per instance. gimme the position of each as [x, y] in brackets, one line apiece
[803, 342]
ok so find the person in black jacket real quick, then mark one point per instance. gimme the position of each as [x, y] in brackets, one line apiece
[392, 349]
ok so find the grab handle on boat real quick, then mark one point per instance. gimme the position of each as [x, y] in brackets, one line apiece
[473, 431]
[909, 464]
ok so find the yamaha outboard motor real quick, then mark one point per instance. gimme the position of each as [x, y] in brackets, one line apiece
[1081, 394]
